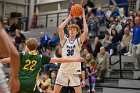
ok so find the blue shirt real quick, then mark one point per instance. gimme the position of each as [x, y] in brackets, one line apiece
[136, 35]
[115, 13]
[44, 39]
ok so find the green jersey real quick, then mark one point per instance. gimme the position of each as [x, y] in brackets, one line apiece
[30, 66]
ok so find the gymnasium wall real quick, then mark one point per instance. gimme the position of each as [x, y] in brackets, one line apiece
[14, 8]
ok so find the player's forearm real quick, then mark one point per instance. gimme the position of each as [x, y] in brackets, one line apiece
[5, 60]
[15, 62]
[83, 75]
[85, 26]
[63, 24]
[64, 60]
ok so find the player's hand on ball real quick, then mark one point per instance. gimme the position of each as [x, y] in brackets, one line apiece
[80, 59]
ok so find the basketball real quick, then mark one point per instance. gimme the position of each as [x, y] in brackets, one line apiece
[76, 10]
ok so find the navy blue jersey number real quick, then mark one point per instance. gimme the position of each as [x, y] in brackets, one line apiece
[70, 52]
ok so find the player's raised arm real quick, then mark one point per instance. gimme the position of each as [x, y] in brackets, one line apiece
[4, 49]
[66, 60]
[15, 60]
[61, 28]
[85, 33]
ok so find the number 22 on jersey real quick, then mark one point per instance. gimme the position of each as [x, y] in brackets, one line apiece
[30, 65]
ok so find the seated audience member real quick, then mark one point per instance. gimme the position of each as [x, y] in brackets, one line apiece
[45, 81]
[107, 41]
[55, 40]
[102, 63]
[91, 71]
[85, 52]
[53, 78]
[100, 15]
[115, 41]
[50, 66]
[19, 39]
[93, 25]
[44, 38]
[115, 11]
[123, 47]
[87, 45]
[97, 47]
[88, 59]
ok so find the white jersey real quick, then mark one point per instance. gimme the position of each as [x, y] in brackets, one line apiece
[71, 49]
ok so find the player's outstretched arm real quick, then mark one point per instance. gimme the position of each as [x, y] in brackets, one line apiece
[61, 27]
[66, 60]
[85, 33]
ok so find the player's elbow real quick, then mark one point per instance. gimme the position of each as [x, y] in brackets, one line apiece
[86, 32]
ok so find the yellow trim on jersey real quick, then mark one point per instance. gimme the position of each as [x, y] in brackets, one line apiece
[37, 78]
[32, 53]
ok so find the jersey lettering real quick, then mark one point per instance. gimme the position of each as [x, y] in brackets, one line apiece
[30, 65]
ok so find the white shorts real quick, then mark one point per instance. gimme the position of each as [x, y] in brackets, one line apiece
[3, 84]
[65, 79]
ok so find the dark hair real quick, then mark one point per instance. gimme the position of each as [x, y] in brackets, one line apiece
[106, 33]
[115, 32]
[45, 73]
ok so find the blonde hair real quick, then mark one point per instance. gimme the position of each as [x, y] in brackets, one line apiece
[32, 43]
[74, 26]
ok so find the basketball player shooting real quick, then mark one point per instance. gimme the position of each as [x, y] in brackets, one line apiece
[68, 74]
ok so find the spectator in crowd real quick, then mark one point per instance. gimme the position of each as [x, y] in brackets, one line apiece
[101, 16]
[110, 24]
[87, 3]
[115, 41]
[97, 47]
[131, 27]
[45, 81]
[44, 38]
[55, 40]
[89, 58]
[123, 18]
[14, 27]
[107, 41]
[108, 13]
[50, 66]
[117, 26]
[136, 43]
[53, 78]
[123, 47]
[91, 71]
[128, 21]
[102, 63]
[85, 52]
[87, 45]
[70, 3]
[115, 11]
[131, 14]
[93, 25]
[49, 52]
[19, 39]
